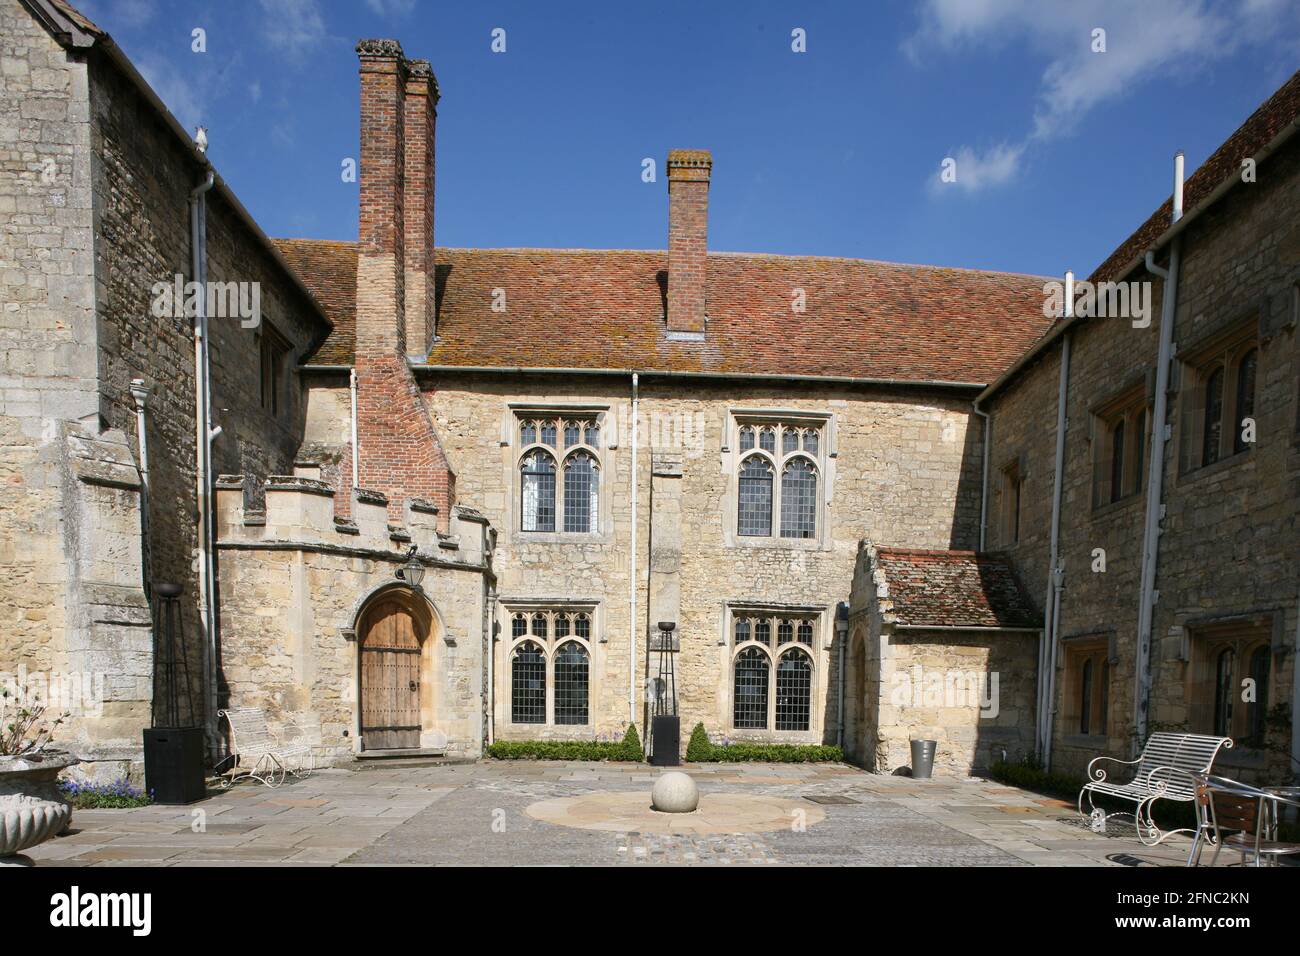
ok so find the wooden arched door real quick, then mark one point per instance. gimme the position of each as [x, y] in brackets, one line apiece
[390, 678]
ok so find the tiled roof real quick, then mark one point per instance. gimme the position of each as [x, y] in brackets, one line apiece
[953, 589]
[1274, 115]
[604, 309]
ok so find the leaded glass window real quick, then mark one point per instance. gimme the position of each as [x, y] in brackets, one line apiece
[571, 505]
[537, 476]
[1257, 710]
[790, 707]
[1245, 398]
[550, 644]
[581, 493]
[793, 691]
[750, 694]
[791, 452]
[799, 499]
[1212, 433]
[1223, 693]
[755, 497]
[528, 685]
[571, 692]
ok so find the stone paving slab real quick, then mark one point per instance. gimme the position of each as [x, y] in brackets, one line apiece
[479, 814]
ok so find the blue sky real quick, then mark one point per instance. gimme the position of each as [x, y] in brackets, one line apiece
[1060, 151]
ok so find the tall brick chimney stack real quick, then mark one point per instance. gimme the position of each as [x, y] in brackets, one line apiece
[381, 287]
[421, 117]
[688, 234]
[398, 449]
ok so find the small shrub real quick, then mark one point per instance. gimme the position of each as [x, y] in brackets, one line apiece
[699, 749]
[632, 748]
[563, 750]
[118, 795]
[773, 753]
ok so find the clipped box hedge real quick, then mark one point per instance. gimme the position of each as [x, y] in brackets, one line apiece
[701, 750]
[629, 748]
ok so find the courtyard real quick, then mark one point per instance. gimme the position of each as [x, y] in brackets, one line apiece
[572, 813]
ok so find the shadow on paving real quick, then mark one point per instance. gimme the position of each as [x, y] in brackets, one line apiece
[487, 825]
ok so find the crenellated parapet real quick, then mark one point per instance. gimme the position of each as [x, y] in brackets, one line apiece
[300, 512]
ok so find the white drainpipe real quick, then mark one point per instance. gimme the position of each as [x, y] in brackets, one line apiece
[632, 659]
[140, 394]
[1055, 570]
[203, 452]
[1156, 472]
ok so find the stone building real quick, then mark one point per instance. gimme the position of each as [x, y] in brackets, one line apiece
[1218, 653]
[786, 458]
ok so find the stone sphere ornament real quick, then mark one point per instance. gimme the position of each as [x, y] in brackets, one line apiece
[675, 792]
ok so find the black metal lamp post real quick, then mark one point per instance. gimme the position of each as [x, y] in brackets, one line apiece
[665, 725]
[173, 746]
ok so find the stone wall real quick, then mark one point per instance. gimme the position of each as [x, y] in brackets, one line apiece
[1228, 550]
[903, 467]
[142, 178]
[94, 190]
[295, 585]
[972, 691]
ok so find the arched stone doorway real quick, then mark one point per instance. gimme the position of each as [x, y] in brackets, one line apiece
[395, 687]
[856, 706]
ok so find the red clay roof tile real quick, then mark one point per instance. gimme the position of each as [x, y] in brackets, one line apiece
[954, 589]
[604, 309]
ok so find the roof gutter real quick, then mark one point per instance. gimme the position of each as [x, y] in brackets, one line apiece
[983, 628]
[648, 373]
[1176, 229]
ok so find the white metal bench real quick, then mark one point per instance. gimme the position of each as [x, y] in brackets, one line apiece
[1166, 770]
[261, 754]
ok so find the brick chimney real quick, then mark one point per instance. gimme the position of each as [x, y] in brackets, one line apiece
[381, 289]
[421, 115]
[399, 452]
[688, 234]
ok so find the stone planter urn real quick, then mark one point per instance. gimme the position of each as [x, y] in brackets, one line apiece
[31, 807]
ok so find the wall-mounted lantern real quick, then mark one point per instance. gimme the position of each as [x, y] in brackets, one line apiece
[412, 572]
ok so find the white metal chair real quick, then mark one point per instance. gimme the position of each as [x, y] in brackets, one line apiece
[1166, 770]
[262, 755]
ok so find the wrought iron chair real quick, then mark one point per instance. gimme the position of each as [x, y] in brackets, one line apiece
[1166, 770]
[271, 758]
[1242, 818]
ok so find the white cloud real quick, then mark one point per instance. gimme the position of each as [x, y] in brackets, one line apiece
[293, 27]
[1154, 37]
[975, 171]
